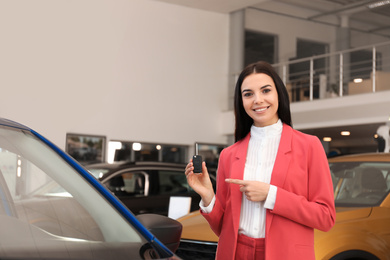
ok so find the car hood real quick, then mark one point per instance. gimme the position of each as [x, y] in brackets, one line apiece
[195, 227]
[347, 214]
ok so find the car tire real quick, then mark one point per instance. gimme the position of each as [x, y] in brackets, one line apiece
[355, 255]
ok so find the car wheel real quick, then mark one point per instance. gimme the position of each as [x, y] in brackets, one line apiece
[355, 255]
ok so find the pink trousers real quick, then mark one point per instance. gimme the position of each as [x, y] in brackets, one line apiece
[250, 248]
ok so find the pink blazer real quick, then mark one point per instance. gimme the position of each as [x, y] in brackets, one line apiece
[304, 199]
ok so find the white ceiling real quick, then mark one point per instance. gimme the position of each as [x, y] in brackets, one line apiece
[360, 17]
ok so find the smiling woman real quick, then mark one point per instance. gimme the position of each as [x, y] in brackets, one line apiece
[264, 178]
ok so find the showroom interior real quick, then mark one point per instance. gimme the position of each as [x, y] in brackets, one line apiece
[147, 79]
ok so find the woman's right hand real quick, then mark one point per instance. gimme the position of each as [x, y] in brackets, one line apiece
[200, 183]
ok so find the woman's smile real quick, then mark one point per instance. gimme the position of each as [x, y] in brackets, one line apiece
[260, 110]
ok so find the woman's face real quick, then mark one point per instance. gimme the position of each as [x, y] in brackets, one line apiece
[260, 99]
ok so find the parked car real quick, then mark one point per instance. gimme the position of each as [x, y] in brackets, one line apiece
[146, 187]
[362, 230]
[52, 208]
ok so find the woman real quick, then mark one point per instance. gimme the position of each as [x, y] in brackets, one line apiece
[273, 185]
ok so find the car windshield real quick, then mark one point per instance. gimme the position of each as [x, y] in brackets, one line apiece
[48, 210]
[359, 184]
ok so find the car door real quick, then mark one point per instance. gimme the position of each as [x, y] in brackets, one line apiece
[149, 191]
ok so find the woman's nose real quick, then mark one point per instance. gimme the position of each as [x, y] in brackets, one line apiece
[258, 99]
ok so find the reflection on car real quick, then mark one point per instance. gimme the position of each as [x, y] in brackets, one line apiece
[362, 231]
[146, 187]
[52, 208]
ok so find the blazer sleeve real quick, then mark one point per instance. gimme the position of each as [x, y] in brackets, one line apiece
[314, 207]
[215, 217]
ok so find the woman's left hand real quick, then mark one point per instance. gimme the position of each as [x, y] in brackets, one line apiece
[253, 190]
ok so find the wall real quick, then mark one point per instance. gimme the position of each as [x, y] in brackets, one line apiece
[137, 70]
[288, 30]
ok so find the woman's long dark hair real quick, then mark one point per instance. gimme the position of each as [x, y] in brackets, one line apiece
[243, 121]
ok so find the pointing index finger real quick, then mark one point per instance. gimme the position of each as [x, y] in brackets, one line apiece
[235, 181]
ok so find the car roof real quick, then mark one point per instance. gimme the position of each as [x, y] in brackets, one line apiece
[112, 168]
[131, 164]
[7, 122]
[367, 157]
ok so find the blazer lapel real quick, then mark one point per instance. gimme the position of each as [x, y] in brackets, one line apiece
[237, 172]
[281, 165]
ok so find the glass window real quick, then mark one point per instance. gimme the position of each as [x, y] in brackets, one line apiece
[361, 64]
[134, 151]
[86, 149]
[172, 182]
[260, 46]
[174, 153]
[299, 72]
[210, 153]
[360, 183]
[128, 184]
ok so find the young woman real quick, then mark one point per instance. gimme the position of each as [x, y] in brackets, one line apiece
[273, 185]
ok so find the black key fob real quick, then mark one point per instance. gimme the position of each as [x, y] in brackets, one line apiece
[197, 161]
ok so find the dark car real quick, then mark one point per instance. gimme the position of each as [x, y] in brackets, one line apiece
[52, 208]
[146, 187]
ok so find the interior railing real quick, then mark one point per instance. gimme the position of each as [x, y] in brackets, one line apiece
[349, 72]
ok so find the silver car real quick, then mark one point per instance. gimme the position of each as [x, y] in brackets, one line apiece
[52, 208]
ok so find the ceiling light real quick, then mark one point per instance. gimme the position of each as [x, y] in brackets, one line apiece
[327, 139]
[345, 133]
[378, 4]
[137, 146]
[112, 147]
[158, 147]
[358, 80]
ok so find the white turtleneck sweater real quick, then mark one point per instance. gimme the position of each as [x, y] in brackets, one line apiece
[262, 149]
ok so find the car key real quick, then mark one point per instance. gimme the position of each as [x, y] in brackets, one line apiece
[197, 161]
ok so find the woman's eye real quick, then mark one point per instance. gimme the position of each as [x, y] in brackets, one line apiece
[246, 94]
[266, 90]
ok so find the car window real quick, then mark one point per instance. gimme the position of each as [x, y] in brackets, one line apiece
[48, 210]
[129, 184]
[172, 182]
[360, 183]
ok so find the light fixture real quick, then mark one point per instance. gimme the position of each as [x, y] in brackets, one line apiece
[345, 133]
[358, 80]
[137, 146]
[19, 167]
[158, 147]
[327, 139]
[112, 147]
[378, 4]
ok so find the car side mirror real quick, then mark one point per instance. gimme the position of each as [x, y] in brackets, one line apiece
[167, 230]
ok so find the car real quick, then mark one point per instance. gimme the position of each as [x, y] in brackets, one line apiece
[146, 187]
[51, 207]
[362, 229]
